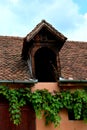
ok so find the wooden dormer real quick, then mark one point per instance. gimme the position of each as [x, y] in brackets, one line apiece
[41, 50]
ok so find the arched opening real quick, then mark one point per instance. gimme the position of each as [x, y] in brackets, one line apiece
[45, 61]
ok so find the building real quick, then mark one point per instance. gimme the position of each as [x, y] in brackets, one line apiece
[42, 58]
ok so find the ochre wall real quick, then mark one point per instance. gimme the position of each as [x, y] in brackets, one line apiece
[65, 124]
[46, 85]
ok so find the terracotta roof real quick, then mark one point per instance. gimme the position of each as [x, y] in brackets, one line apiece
[73, 57]
[42, 24]
[12, 67]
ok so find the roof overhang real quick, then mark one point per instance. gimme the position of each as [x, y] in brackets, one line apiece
[72, 83]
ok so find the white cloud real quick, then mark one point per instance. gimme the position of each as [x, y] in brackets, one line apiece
[18, 17]
[13, 1]
[80, 33]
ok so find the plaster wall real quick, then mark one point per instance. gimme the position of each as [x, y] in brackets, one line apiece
[65, 123]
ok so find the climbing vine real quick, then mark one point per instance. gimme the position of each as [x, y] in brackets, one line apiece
[45, 102]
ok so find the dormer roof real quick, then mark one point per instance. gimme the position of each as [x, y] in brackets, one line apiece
[49, 27]
[48, 30]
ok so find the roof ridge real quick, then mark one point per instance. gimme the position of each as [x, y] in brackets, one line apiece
[12, 37]
[76, 41]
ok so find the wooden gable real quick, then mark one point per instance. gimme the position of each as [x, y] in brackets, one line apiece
[41, 50]
[43, 33]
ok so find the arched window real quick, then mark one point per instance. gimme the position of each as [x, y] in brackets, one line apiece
[45, 61]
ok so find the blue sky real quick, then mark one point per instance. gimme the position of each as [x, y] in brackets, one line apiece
[19, 17]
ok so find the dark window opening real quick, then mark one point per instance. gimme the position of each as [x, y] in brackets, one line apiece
[71, 115]
[45, 61]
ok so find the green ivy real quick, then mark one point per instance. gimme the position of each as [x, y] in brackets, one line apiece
[50, 104]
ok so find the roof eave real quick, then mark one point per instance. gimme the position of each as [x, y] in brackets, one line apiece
[72, 83]
[31, 81]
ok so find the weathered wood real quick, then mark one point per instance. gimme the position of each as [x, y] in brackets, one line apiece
[27, 118]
